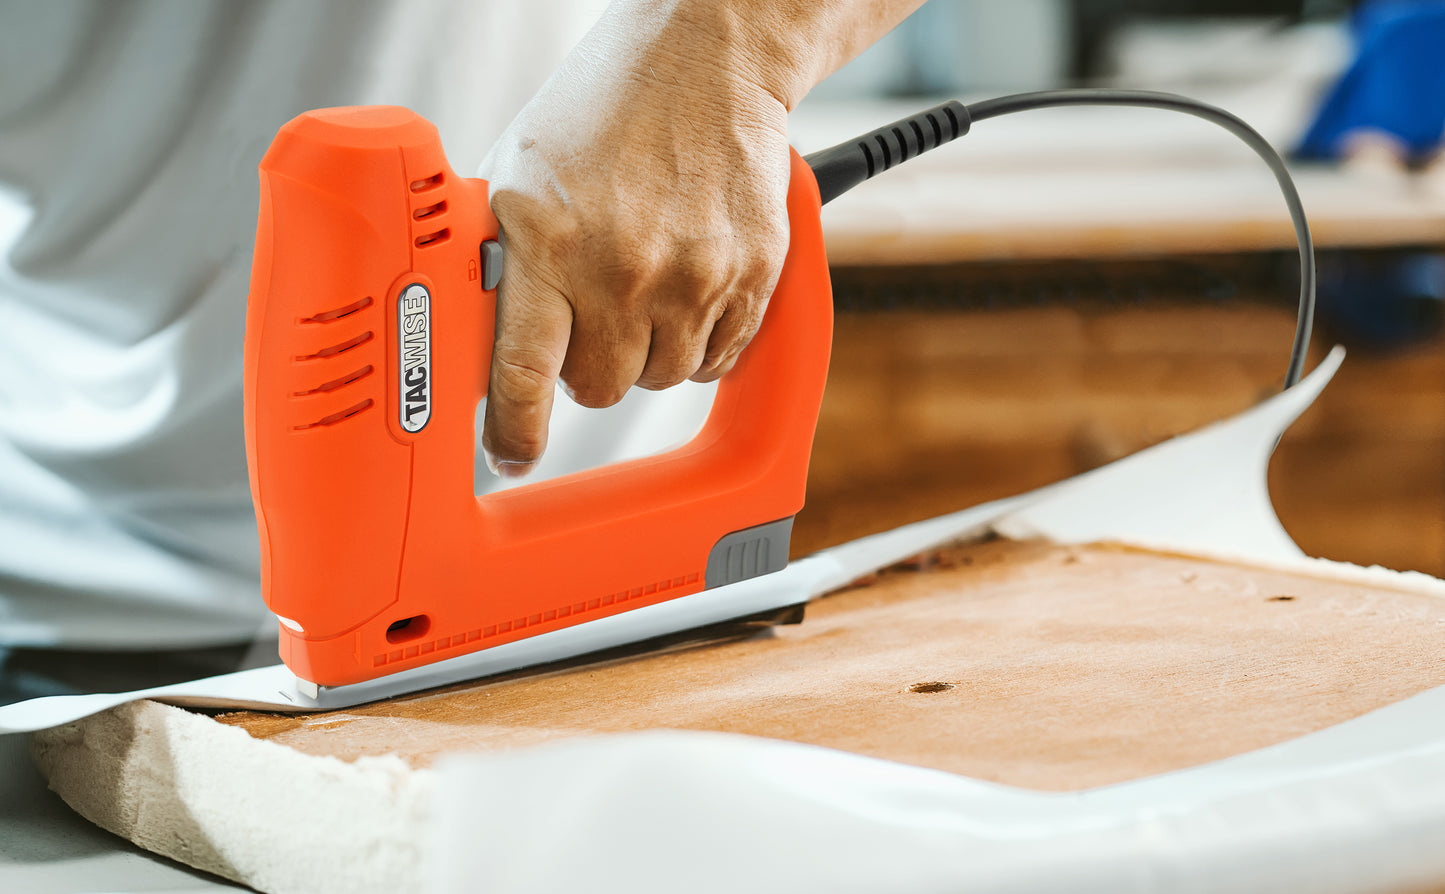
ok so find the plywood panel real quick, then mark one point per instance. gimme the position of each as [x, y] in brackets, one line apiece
[1033, 665]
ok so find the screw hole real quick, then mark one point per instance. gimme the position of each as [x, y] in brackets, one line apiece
[930, 687]
[408, 629]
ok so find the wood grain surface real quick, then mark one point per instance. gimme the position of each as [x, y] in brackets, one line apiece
[1054, 668]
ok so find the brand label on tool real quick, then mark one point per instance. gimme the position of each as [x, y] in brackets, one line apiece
[413, 310]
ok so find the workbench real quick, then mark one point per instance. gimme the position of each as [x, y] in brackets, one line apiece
[1107, 183]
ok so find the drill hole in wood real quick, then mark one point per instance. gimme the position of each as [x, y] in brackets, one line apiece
[934, 686]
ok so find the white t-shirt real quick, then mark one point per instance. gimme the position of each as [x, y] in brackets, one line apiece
[129, 137]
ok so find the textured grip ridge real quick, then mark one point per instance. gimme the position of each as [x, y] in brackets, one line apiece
[844, 166]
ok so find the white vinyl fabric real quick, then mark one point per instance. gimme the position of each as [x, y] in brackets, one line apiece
[1359, 807]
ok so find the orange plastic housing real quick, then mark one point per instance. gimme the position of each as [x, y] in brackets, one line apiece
[376, 551]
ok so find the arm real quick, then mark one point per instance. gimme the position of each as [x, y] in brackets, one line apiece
[642, 195]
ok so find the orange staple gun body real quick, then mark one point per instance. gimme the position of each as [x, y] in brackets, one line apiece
[368, 345]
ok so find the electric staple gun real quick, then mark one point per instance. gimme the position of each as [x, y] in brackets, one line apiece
[368, 345]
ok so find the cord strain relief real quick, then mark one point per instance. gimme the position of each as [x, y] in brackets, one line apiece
[844, 166]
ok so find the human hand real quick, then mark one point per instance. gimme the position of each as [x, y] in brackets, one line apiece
[642, 202]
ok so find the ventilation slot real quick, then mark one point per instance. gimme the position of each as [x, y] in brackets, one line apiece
[428, 183]
[337, 417]
[429, 211]
[333, 315]
[342, 348]
[341, 382]
[436, 238]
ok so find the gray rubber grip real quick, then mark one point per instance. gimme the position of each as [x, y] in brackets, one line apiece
[751, 552]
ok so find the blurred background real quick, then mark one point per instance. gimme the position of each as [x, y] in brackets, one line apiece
[1064, 287]
[966, 45]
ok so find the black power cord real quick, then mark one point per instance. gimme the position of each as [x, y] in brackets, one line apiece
[844, 166]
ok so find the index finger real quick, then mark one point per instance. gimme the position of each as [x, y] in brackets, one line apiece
[534, 323]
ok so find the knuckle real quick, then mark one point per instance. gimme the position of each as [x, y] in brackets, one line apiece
[662, 379]
[731, 337]
[530, 218]
[703, 261]
[520, 379]
[714, 363]
[678, 350]
[544, 240]
[750, 318]
[682, 271]
[710, 369]
[713, 371]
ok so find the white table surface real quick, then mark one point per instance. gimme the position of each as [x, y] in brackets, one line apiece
[1105, 183]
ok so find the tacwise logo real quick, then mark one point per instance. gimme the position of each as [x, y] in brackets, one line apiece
[414, 392]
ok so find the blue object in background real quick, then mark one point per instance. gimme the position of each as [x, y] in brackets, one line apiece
[1395, 85]
[1382, 301]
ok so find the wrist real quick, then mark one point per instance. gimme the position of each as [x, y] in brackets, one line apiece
[753, 45]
